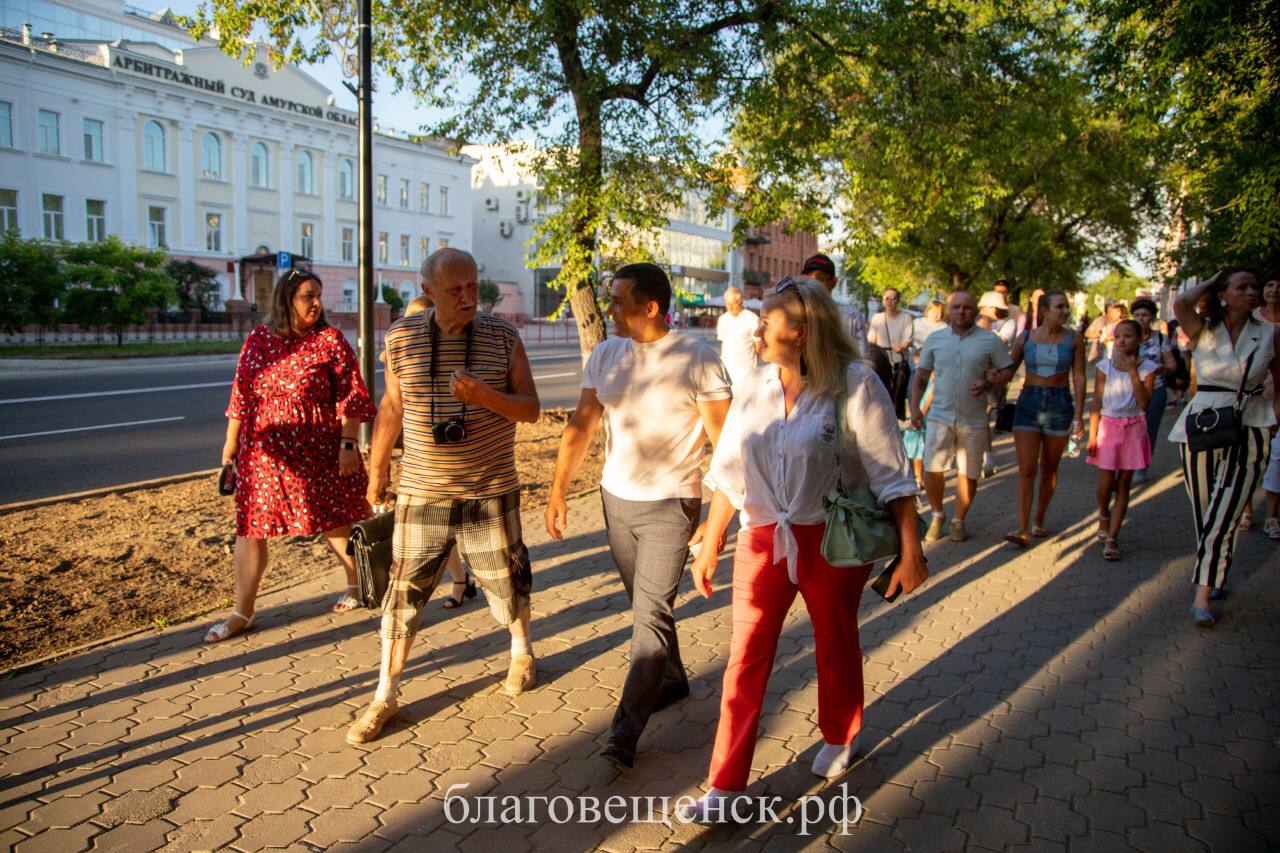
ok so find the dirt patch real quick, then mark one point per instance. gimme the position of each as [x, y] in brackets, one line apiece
[85, 569]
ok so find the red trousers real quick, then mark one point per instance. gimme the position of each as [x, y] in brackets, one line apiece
[762, 595]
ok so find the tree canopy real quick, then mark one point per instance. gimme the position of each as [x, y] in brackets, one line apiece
[114, 285]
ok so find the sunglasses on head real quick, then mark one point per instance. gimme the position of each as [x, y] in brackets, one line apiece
[792, 283]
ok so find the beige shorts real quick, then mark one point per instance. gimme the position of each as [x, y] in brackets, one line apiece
[944, 442]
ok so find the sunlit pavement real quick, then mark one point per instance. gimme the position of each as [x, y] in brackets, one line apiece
[1041, 699]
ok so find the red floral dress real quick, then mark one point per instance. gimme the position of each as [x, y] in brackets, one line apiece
[291, 396]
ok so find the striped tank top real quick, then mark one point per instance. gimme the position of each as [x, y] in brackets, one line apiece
[484, 464]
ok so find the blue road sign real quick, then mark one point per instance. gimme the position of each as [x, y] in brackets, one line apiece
[284, 260]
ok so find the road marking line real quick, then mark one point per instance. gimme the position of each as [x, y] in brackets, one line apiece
[224, 384]
[85, 429]
[556, 375]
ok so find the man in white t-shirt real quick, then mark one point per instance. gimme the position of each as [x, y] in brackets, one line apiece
[891, 331]
[657, 391]
[736, 331]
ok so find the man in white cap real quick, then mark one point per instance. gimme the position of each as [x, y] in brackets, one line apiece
[736, 331]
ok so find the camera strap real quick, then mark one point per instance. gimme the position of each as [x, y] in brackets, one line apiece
[466, 360]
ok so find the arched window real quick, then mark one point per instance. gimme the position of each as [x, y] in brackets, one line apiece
[211, 156]
[346, 179]
[306, 172]
[153, 148]
[261, 167]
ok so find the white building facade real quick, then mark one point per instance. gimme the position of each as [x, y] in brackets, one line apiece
[186, 149]
[695, 247]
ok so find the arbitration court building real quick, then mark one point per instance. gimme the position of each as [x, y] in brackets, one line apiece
[113, 121]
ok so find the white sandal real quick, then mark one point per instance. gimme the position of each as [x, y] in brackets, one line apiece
[346, 602]
[222, 630]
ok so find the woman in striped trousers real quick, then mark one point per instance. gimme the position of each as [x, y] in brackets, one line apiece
[1233, 353]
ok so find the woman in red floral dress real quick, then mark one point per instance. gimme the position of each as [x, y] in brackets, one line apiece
[296, 404]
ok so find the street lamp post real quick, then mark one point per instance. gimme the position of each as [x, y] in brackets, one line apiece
[367, 343]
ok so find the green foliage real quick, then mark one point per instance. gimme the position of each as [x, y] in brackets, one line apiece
[1118, 285]
[197, 284]
[490, 295]
[392, 297]
[1210, 71]
[954, 142]
[113, 284]
[615, 92]
[31, 282]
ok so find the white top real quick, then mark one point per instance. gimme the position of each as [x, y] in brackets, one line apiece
[1118, 400]
[776, 468]
[1220, 364]
[653, 429]
[888, 332]
[921, 330]
[1006, 330]
[737, 341]
[857, 325]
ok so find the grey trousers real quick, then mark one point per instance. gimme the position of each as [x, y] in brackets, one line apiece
[649, 541]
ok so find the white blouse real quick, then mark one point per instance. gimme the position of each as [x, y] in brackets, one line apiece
[776, 468]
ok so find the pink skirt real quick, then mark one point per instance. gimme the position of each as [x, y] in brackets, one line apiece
[1123, 444]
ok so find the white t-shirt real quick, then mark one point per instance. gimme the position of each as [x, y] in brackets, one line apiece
[776, 469]
[737, 341]
[889, 332]
[653, 429]
[1118, 400]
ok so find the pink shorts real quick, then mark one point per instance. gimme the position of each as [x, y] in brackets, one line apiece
[1123, 444]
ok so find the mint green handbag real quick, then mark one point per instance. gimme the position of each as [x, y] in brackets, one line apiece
[859, 530]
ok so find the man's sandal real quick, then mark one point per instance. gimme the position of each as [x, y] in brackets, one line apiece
[347, 601]
[223, 631]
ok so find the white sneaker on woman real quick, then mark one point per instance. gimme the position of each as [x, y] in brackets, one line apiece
[835, 758]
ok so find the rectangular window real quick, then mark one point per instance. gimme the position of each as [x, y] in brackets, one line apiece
[95, 220]
[404, 250]
[307, 239]
[404, 193]
[8, 211]
[382, 247]
[6, 124]
[158, 227]
[48, 132]
[443, 244]
[424, 198]
[93, 140]
[444, 202]
[424, 247]
[349, 244]
[213, 232]
[382, 189]
[52, 209]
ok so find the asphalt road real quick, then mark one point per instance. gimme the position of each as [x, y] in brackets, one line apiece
[68, 427]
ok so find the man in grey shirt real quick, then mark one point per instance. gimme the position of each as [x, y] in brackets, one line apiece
[957, 427]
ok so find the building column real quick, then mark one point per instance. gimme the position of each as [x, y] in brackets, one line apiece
[239, 237]
[327, 238]
[128, 225]
[288, 240]
[187, 194]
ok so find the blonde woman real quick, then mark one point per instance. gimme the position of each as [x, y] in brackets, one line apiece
[773, 464]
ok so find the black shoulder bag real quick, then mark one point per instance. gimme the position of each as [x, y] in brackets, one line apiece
[370, 545]
[1212, 429]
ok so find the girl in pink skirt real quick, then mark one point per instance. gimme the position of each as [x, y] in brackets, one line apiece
[1118, 440]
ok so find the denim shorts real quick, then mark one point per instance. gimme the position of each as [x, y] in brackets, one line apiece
[1044, 409]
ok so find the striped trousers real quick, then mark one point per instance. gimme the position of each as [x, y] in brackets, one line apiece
[1220, 484]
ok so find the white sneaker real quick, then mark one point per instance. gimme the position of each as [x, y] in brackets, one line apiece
[714, 807]
[834, 758]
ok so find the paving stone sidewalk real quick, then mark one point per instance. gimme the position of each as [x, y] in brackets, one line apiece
[1039, 700]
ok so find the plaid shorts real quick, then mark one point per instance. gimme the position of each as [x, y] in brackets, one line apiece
[486, 530]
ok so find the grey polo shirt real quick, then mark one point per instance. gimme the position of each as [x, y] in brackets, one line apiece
[956, 362]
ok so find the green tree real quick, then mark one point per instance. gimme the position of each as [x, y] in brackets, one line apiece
[197, 284]
[113, 284]
[1209, 70]
[615, 92]
[392, 297]
[31, 282]
[1118, 285]
[490, 295]
[953, 142]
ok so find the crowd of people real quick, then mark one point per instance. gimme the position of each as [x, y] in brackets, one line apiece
[802, 396]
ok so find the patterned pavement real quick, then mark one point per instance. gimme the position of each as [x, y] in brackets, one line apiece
[1039, 700]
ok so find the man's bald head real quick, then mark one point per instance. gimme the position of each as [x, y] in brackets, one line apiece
[962, 309]
[733, 300]
[450, 280]
[438, 260]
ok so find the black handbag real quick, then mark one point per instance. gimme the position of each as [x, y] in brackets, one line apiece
[1213, 429]
[1004, 418]
[370, 545]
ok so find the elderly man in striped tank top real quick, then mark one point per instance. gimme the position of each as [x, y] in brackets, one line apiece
[457, 381]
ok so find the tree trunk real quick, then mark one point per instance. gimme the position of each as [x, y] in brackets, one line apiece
[582, 293]
[959, 279]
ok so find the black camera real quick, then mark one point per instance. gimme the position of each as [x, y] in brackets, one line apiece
[452, 431]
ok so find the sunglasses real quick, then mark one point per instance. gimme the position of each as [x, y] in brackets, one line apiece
[792, 283]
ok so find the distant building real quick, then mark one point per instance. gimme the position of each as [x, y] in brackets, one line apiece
[769, 254]
[116, 122]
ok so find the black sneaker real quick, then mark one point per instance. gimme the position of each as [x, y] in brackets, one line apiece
[618, 757]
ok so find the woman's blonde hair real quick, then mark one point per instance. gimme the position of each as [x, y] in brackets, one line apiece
[828, 349]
